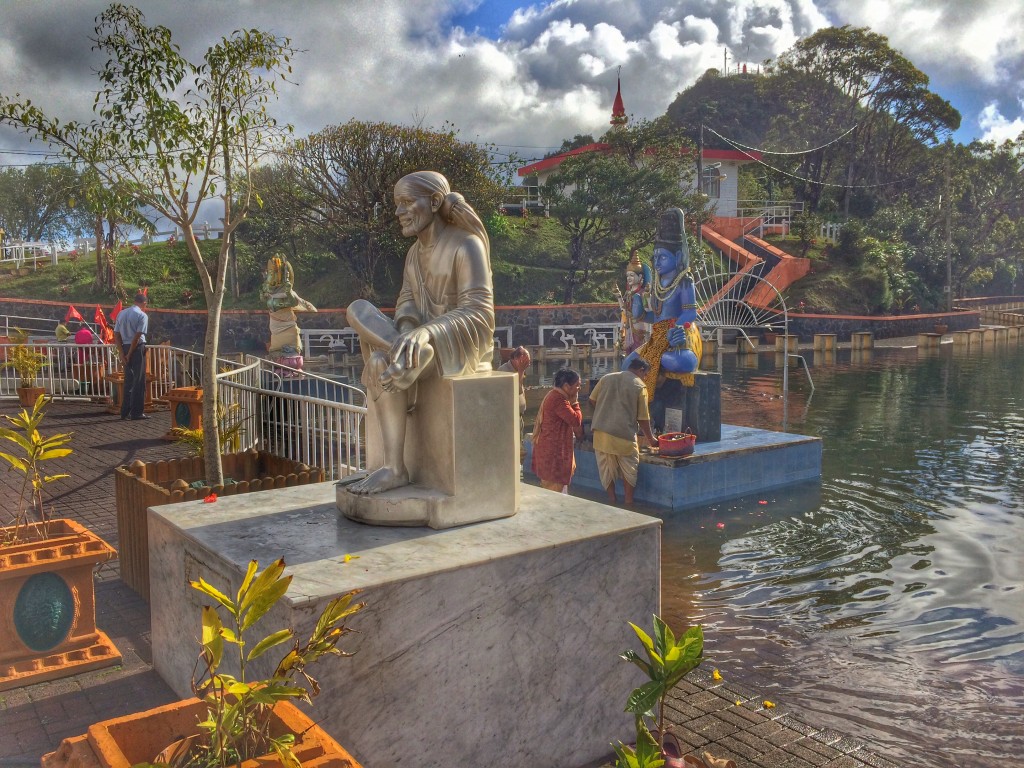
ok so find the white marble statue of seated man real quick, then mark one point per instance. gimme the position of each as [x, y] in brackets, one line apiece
[444, 314]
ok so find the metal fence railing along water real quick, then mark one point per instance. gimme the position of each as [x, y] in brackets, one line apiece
[296, 415]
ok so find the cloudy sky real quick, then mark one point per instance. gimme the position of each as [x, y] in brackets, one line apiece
[523, 76]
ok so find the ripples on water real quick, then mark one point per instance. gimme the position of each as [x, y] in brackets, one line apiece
[887, 602]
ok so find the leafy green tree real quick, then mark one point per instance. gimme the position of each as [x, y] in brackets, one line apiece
[337, 186]
[843, 78]
[576, 142]
[38, 203]
[172, 133]
[611, 198]
[735, 106]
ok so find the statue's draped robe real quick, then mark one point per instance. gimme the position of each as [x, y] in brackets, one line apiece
[446, 289]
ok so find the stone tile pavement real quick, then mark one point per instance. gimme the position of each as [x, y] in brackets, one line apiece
[34, 718]
[727, 719]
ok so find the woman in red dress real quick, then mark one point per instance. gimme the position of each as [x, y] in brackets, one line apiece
[559, 423]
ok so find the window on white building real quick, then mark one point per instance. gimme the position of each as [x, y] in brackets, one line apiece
[712, 182]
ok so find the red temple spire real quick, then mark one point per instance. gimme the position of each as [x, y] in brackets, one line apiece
[618, 110]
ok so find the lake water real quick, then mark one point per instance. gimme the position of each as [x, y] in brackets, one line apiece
[888, 601]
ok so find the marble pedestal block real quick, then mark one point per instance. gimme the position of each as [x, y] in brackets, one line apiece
[489, 644]
[463, 461]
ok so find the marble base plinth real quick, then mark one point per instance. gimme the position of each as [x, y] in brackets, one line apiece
[746, 460]
[462, 456]
[489, 644]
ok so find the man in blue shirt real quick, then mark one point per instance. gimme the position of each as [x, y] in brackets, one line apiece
[130, 335]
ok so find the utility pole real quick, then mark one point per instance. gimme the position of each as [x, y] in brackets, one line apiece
[700, 182]
[949, 249]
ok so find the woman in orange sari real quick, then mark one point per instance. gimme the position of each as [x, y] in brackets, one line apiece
[559, 423]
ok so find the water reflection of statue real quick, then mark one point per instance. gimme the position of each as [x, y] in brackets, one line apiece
[282, 301]
[444, 314]
[635, 304]
[674, 347]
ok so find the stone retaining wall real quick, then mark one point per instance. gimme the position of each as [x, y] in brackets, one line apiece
[248, 330]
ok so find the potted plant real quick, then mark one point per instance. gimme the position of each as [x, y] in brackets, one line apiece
[668, 661]
[46, 570]
[27, 364]
[234, 719]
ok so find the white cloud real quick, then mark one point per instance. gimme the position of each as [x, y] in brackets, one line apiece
[551, 75]
[997, 128]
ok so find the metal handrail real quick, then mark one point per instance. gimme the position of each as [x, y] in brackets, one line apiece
[311, 427]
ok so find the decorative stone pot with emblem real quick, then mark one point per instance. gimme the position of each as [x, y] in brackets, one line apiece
[48, 604]
[186, 404]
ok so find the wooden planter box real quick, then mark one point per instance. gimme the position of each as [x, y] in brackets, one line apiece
[126, 741]
[139, 486]
[48, 605]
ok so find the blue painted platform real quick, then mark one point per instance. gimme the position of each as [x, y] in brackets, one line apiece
[744, 461]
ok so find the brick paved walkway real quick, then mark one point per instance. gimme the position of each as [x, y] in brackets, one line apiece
[35, 718]
[722, 717]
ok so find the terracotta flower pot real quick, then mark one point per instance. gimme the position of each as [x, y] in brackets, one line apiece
[27, 396]
[48, 604]
[126, 741]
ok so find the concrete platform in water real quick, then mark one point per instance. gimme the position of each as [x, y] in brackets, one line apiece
[746, 460]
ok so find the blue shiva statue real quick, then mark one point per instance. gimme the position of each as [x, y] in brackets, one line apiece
[674, 347]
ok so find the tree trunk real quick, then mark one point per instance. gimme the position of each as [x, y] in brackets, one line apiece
[213, 290]
[100, 261]
[575, 258]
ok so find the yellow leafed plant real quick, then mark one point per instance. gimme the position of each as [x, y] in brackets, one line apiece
[30, 450]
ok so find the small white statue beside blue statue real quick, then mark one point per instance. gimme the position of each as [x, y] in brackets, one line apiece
[674, 346]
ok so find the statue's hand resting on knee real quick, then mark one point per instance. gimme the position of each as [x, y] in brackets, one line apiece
[410, 356]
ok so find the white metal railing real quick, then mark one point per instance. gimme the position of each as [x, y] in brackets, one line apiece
[203, 232]
[297, 415]
[600, 336]
[768, 215]
[69, 370]
[34, 326]
[323, 342]
[829, 230]
[301, 416]
[19, 253]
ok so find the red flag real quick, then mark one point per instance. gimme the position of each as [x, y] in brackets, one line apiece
[73, 314]
[101, 325]
[116, 311]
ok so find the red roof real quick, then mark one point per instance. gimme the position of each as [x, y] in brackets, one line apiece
[709, 154]
[556, 160]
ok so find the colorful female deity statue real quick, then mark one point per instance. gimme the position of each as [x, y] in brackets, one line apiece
[674, 346]
[285, 342]
[635, 303]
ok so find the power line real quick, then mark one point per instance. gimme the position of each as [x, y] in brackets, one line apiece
[772, 152]
[744, 151]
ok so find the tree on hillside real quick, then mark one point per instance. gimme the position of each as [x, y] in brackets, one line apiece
[860, 107]
[611, 198]
[173, 133]
[338, 184]
[38, 203]
[110, 212]
[568, 145]
[734, 106]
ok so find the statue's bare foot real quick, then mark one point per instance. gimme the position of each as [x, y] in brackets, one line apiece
[383, 479]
